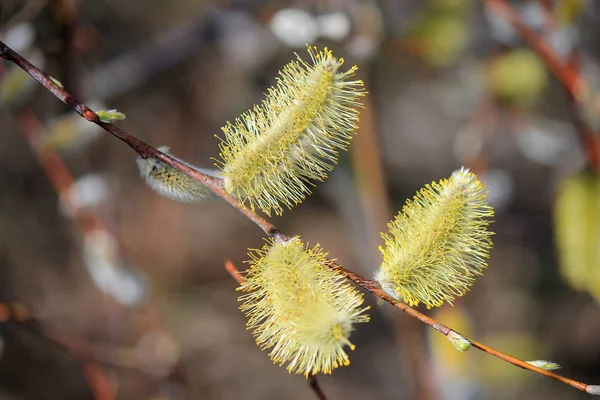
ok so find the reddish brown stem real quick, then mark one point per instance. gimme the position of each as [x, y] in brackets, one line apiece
[374, 288]
[55, 168]
[567, 75]
[314, 385]
[589, 139]
[216, 185]
[549, 24]
[140, 147]
[566, 71]
[234, 272]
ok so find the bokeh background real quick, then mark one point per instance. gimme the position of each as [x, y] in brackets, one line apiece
[111, 291]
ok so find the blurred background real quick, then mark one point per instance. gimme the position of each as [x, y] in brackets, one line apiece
[110, 291]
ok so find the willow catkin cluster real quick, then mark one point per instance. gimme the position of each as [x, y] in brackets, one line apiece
[439, 243]
[300, 309]
[274, 152]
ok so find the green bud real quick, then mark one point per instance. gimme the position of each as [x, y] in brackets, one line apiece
[109, 116]
[543, 364]
[459, 342]
[57, 82]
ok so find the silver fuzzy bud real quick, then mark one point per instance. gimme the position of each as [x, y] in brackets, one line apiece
[172, 183]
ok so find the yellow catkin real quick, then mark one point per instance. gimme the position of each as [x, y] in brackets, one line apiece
[272, 154]
[439, 243]
[300, 309]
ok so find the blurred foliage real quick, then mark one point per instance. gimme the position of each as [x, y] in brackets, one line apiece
[441, 32]
[567, 11]
[517, 78]
[577, 224]
[15, 84]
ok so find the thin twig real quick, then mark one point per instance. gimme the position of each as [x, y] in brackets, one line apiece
[375, 289]
[140, 147]
[589, 139]
[61, 179]
[314, 385]
[234, 272]
[568, 76]
[549, 22]
[57, 172]
[145, 150]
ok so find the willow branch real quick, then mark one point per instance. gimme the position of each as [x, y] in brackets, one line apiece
[374, 288]
[216, 185]
[140, 147]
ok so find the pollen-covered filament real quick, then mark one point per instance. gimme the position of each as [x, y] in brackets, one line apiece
[271, 154]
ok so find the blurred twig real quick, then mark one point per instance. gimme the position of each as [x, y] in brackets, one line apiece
[590, 140]
[548, 13]
[140, 147]
[234, 272]
[578, 90]
[216, 185]
[567, 75]
[56, 170]
[314, 385]
[62, 180]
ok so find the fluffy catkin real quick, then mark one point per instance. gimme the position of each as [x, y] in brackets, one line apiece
[299, 308]
[172, 183]
[274, 152]
[439, 243]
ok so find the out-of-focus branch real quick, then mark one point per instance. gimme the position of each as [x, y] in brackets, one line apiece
[567, 72]
[590, 140]
[27, 13]
[216, 185]
[234, 272]
[567, 75]
[314, 385]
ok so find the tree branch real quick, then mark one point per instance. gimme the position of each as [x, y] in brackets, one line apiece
[140, 147]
